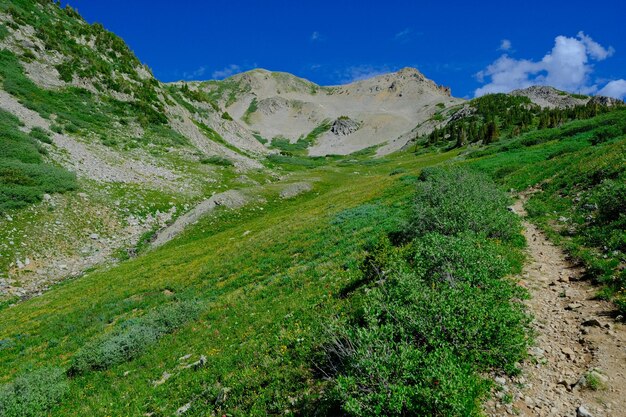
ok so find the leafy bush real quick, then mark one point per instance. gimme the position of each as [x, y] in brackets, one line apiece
[465, 258]
[397, 171]
[605, 133]
[611, 198]
[450, 201]
[24, 176]
[33, 394]
[41, 135]
[427, 334]
[4, 32]
[438, 312]
[217, 160]
[132, 337]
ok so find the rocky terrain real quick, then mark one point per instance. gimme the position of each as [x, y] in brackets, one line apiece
[374, 112]
[550, 97]
[576, 368]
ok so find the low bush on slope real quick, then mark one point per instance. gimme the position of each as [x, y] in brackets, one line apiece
[33, 394]
[130, 339]
[438, 312]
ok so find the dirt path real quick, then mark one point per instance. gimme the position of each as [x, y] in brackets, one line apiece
[578, 366]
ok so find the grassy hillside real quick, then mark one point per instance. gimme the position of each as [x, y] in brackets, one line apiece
[267, 277]
[296, 306]
[386, 290]
[491, 117]
[579, 171]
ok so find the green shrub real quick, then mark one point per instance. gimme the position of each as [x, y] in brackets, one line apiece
[132, 337]
[4, 32]
[464, 258]
[611, 199]
[217, 160]
[397, 171]
[33, 394]
[252, 108]
[605, 134]
[438, 312]
[260, 138]
[450, 201]
[41, 135]
[24, 176]
[420, 346]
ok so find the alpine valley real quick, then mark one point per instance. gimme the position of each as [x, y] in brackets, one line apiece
[263, 245]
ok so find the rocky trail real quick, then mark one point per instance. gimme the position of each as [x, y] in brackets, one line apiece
[578, 364]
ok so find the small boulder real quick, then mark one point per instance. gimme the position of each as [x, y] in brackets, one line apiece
[592, 323]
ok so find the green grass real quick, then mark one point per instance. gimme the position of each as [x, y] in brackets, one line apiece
[4, 32]
[107, 59]
[226, 91]
[217, 160]
[264, 295]
[252, 108]
[25, 175]
[300, 147]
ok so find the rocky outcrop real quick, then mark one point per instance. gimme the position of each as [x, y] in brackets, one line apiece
[606, 101]
[344, 126]
[550, 97]
[295, 189]
[272, 105]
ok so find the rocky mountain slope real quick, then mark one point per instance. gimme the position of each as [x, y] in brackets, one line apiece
[550, 97]
[135, 153]
[80, 113]
[373, 112]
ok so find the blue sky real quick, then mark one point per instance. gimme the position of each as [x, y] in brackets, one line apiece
[473, 47]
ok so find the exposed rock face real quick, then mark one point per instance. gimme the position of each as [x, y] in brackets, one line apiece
[606, 101]
[344, 126]
[550, 97]
[466, 111]
[272, 105]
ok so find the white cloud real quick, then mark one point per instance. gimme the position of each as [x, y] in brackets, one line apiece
[194, 75]
[505, 45]
[615, 89]
[232, 69]
[565, 67]
[403, 35]
[316, 36]
[595, 50]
